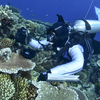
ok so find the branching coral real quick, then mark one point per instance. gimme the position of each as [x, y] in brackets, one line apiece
[20, 89]
[24, 91]
[6, 88]
[32, 92]
[6, 42]
[16, 63]
[5, 13]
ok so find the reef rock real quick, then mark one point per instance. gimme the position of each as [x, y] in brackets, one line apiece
[48, 92]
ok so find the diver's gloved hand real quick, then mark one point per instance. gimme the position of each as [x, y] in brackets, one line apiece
[43, 76]
[23, 36]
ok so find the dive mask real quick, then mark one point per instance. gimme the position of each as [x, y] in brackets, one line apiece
[51, 37]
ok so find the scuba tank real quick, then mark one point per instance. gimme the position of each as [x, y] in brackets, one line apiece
[86, 26]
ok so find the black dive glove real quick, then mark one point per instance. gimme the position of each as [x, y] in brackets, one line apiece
[43, 76]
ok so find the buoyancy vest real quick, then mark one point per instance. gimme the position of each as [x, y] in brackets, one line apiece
[75, 39]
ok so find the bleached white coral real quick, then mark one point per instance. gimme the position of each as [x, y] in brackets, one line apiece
[5, 53]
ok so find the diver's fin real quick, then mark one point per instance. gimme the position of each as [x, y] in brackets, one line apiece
[60, 18]
[97, 11]
[66, 77]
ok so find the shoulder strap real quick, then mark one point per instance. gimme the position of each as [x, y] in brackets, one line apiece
[64, 49]
[69, 43]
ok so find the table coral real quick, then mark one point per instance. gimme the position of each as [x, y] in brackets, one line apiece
[6, 88]
[16, 63]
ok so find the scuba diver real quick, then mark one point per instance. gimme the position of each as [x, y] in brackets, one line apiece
[72, 43]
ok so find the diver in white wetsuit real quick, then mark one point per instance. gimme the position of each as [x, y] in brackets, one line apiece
[60, 39]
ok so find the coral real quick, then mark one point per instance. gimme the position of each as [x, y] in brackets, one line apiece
[82, 76]
[32, 92]
[6, 88]
[93, 60]
[5, 54]
[23, 90]
[98, 63]
[16, 63]
[49, 92]
[35, 29]
[6, 42]
[81, 94]
[20, 89]
[11, 21]
[34, 75]
[98, 56]
[7, 18]
[90, 94]
[43, 61]
[5, 13]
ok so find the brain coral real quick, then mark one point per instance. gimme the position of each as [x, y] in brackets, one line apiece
[6, 88]
[16, 63]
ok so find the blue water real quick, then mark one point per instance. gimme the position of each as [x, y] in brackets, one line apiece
[46, 10]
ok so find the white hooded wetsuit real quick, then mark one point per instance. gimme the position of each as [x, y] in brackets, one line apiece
[76, 53]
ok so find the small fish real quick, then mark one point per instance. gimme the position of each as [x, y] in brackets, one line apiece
[33, 15]
[8, 3]
[27, 8]
[31, 10]
[46, 15]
